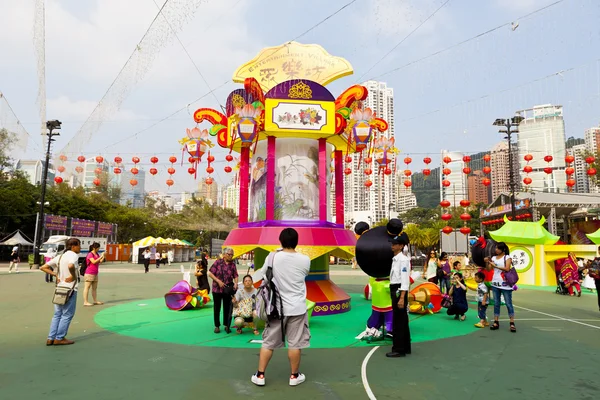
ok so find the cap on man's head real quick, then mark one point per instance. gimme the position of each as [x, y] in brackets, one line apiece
[399, 240]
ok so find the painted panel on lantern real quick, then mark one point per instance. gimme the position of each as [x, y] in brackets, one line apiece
[257, 210]
[300, 116]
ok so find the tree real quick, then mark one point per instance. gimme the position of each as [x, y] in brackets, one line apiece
[6, 142]
[420, 216]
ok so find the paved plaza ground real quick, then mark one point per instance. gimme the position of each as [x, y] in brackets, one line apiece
[132, 347]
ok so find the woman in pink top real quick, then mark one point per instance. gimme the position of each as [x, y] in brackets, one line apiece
[92, 262]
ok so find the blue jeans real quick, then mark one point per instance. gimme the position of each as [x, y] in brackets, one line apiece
[62, 318]
[444, 282]
[481, 310]
[507, 294]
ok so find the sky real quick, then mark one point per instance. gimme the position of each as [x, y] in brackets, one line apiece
[446, 94]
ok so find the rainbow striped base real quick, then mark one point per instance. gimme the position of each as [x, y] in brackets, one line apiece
[328, 297]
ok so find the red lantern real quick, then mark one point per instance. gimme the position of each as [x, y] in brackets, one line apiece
[154, 160]
[571, 182]
[153, 171]
[467, 159]
[118, 160]
[569, 159]
[209, 181]
[348, 159]
[466, 170]
[427, 160]
[548, 158]
[99, 159]
[96, 182]
[387, 171]
[172, 160]
[445, 183]
[368, 160]
[210, 159]
[407, 160]
[347, 171]
[426, 172]
[465, 230]
[191, 171]
[590, 159]
[407, 172]
[486, 170]
[79, 169]
[548, 170]
[569, 170]
[61, 169]
[446, 217]
[82, 159]
[591, 171]
[227, 169]
[527, 180]
[98, 171]
[135, 171]
[133, 182]
[170, 182]
[527, 169]
[58, 180]
[446, 171]
[191, 160]
[368, 183]
[487, 158]
[465, 216]
[62, 158]
[407, 183]
[135, 160]
[171, 170]
[528, 157]
[368, 171]
[117, 170]
[210, 170]
[465, 203]
[486, 182]
[444, 203]
[229, 157]
[447, 160]
[447, 230]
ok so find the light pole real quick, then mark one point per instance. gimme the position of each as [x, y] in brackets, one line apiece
[51, 126]
[510, 126]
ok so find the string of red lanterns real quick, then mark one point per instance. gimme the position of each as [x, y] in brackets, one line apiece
[426, 171]
[527, 169]
[407, 172]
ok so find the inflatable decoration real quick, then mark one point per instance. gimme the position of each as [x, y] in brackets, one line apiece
[183, 296]
[288, 128]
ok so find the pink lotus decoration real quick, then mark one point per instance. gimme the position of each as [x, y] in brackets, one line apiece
[362, 126]
[183, 296]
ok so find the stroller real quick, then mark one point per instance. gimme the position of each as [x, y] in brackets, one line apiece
[560, 286]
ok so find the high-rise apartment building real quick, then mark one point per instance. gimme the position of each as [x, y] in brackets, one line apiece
[477, 191]
[592, 139]
[542, 133]
[457, 190]
[130, 195]
[231, 198]
[210, 193]
[90, 174]
[500, 175]
[381, 197]
[405, 198]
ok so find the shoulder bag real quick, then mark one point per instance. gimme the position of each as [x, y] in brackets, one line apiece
[61, 293]
[511, 277]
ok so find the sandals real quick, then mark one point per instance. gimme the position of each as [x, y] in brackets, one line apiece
[513, 328]
[239, 330]
[256, 332]
[495, 326]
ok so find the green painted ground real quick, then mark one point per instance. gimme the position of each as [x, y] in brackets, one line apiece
[151, 320]
[554, 355]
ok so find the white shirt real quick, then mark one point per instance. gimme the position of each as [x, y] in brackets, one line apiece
[68, 258]
[497, 280]
[147, 255]
[400, 273]
[15, 249]
[289, 273]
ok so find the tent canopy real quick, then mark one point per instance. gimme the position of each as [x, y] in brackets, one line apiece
[16, 238]
[152, 241]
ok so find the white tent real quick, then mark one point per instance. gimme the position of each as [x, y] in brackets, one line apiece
[16, 238]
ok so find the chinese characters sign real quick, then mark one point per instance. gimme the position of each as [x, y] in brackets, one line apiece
[81, 227]
[522, 259]
[55, 222]
[104, 229]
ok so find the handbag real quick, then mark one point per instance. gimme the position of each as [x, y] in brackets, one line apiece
[61, 293]
[244, 308]
[446, 301]
[511, 277]
[228, 289]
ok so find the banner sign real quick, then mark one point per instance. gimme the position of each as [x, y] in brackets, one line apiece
[55, 222]
[104, 228]
[81, 227]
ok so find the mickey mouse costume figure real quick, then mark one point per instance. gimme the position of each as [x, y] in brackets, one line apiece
[374, 256]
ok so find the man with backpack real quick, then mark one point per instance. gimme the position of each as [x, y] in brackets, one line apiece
[287, 314]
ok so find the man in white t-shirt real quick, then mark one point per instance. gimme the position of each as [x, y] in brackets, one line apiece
[65, 271]
[290, 269]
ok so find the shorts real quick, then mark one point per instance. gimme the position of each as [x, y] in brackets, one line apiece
[297, 333]
[91, 278]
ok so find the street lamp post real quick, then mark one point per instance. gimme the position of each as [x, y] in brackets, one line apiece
[51, 126]
[510, 126]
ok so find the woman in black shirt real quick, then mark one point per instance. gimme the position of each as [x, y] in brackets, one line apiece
[202, 273]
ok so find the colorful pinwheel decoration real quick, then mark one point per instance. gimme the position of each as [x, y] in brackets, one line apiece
[183, 296]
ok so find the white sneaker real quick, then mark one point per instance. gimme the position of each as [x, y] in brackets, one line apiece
[296, 381]
[259, 381]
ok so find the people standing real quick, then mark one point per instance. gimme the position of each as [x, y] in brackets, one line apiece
[66, 274]
[500, 263]
[157, 258]
[14, 260]
[202, 273]
[92, 262]
[147, 256]
[224, 274]
[290, 270]
[444, 272]
[399, 287]
[170, 256]
[431, 264]
[482, 300]
[50, 254]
